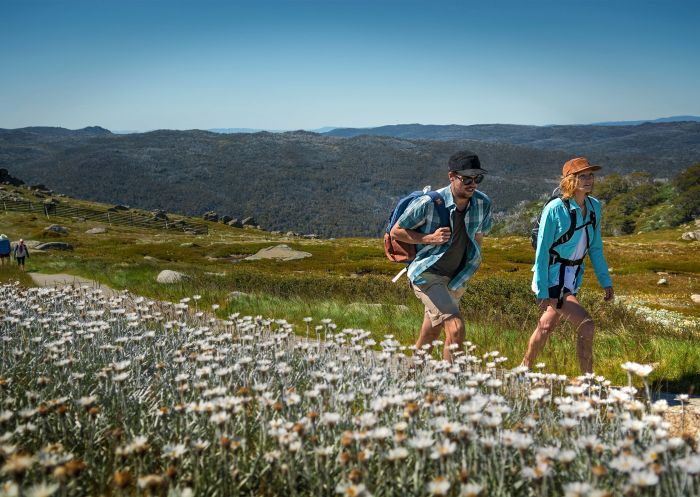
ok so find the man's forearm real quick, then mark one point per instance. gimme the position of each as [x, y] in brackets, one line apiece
[408, 236]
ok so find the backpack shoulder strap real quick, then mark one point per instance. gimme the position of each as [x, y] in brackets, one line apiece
[592, 210]
[572, 225]
[442, 211]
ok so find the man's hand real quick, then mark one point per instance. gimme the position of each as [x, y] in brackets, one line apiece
[609, 294]
[440, 236]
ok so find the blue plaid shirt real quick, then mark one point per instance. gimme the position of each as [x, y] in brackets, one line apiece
[422, 216]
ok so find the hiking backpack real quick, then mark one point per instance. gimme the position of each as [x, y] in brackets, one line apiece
[572, 225]
[397, 251]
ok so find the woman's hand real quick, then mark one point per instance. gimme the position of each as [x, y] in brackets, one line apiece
[609, 294]
[544, 303]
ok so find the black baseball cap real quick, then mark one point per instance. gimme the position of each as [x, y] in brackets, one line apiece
[465, 163]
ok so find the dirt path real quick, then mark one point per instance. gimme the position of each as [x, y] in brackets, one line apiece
[62, 279]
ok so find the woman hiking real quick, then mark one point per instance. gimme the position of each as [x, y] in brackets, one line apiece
[569, 228]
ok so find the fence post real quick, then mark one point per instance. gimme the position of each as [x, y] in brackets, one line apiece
[5, 206]
[109, 219]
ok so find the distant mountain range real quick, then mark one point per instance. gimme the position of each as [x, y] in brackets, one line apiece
[256, 130]
[672, 119]
[675, 142]
[321, 183]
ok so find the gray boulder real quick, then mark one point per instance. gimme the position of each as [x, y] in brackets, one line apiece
[211, 216]
[56, 229]
[235, 223]
[169, 276]
[226, 219]
[96, 231]
[691, 235]
[54, 246]
[160, 214]
[281, 252]
[119, 207]
[249, 221]
[695, 298]
[236, 295]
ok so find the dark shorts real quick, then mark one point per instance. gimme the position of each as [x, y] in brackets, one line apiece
[4, 256]
[20, 261]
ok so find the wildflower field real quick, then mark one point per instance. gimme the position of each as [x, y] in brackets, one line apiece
[128, 396]
[349, 281]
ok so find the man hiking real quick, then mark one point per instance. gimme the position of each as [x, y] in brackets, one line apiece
[446, 257]
[21, 252]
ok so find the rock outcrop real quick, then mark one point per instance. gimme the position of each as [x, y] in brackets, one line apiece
[280, 252]
[7, 178]
[56, 230]
[54, 246]
[168, 276]
[210, 216]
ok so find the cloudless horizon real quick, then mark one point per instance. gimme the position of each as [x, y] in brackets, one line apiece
[306, 64]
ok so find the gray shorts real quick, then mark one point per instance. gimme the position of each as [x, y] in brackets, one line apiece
[440, 302]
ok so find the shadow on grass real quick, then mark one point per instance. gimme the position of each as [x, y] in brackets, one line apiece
[688, 383]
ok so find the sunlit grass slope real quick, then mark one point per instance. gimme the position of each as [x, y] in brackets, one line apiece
[349, 281]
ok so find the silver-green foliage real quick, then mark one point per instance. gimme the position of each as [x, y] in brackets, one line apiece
[129, 396]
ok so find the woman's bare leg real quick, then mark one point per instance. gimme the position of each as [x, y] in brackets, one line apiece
[574, 313]
[548, 321]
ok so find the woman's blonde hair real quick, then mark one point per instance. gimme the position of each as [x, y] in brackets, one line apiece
[568, 185]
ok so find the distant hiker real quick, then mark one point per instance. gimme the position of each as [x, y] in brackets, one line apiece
[5, 249]
[558, 269]
[446, 257]
[21, 252]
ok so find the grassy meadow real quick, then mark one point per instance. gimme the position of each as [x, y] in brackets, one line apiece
[349, 282]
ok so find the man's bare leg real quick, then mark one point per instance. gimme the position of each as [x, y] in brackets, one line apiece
[428, 334]
[454, 334]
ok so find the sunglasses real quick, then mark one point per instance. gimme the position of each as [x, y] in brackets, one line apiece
[468, 180]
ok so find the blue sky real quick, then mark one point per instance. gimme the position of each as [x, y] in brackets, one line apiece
[141, 65]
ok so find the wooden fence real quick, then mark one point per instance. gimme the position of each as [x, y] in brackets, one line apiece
[128, 218]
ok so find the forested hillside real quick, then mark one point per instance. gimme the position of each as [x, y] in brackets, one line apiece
[298, 181]
[632, 203]
[659, 144]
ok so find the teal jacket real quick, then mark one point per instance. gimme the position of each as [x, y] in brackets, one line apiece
[554, 222]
